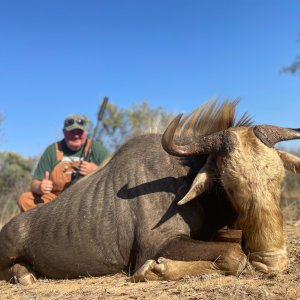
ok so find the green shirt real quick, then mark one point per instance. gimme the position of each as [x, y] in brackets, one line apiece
[48, 159]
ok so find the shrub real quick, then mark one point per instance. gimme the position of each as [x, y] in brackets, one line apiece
[15, 178]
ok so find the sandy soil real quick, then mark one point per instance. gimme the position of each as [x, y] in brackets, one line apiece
[249, 285]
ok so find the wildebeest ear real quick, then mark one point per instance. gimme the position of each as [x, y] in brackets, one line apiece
[290, 161]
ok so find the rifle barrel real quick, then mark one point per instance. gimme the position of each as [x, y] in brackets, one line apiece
[102, 108]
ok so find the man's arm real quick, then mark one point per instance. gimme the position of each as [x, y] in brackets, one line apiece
[87, 167]
[36, 186]
[41, 187]
[99, 153]
[40, 183]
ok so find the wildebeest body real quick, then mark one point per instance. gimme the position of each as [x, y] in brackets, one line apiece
[119, 217]
[126, 215]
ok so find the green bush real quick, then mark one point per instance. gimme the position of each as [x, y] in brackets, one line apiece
[15, 178]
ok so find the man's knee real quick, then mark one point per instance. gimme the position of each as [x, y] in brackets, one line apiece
[26, 201]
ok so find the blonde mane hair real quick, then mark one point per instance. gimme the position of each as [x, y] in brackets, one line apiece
[212, 117]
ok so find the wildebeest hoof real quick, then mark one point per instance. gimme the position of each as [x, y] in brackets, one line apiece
[140, 274]
[150, 270]
[269, 268]
[160, 267]
[25, 280]
[270, 263]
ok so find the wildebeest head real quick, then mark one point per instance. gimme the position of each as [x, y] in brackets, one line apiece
[250, 169]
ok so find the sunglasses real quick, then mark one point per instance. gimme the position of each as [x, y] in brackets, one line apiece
[70, 122]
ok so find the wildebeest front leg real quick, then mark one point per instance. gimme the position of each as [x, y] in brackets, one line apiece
[184, 256]
[167, 269]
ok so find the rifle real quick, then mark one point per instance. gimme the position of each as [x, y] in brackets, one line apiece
[75, 174]
[99, 119]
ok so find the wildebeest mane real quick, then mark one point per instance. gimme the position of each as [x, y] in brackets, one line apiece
[212, 117]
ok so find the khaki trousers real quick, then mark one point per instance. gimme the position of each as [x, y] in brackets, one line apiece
[28, 200]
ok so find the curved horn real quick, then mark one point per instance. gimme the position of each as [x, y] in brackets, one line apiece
[212, 143]
[270, 135]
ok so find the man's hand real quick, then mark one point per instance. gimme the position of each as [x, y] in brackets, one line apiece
[46, 184]
[87, 168]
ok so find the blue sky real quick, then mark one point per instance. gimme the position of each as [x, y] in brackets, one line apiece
[62, 57]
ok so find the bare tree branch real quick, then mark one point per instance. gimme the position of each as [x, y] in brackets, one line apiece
[295, 66]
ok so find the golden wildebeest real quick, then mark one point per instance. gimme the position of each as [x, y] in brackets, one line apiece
[126, 215]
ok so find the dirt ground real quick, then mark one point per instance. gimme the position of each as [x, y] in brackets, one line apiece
[249, 285]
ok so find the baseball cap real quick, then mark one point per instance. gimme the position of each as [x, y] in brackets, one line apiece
[75, 122]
